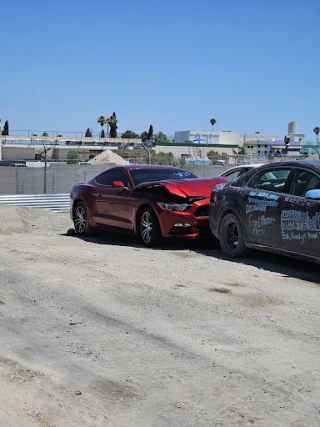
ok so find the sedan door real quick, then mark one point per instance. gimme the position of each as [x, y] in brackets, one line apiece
[300, 217]
[264, 196]
[114, 205]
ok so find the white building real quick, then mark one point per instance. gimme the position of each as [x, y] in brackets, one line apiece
[257, 136]
[293, 133]
[224, 137]
[292, 127]
[205, 137]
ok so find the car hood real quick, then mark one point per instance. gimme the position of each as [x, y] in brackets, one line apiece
[186, 187]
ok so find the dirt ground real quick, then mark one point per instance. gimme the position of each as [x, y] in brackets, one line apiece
[104, 332]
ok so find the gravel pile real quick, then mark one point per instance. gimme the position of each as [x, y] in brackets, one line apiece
[108, 156]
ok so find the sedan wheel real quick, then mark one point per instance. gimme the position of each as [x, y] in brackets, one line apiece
[149, 228]
[81, 220]
[231, 236]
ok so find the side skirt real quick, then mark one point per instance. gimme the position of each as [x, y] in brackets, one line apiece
[282, 252]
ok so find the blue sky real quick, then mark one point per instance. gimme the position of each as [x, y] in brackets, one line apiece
[253, 65]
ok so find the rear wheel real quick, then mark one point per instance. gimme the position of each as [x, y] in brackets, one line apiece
[149, 228]
[81, 220]
[231, 236]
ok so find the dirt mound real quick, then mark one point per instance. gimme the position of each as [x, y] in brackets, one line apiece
[24, 220]
[313, 157]
[108, 156]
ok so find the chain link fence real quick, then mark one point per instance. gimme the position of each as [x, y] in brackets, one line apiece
[27, 170]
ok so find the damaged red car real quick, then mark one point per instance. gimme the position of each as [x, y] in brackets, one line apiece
[153, 202]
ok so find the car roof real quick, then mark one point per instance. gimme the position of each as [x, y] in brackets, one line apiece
[130, 167]
[313, 164]
[249, 165]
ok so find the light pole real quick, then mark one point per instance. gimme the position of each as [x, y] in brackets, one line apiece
[148, 151]
[45, 169]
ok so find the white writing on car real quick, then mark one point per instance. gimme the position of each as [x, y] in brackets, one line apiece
[296, 225]
[265, 200]
[259, 224]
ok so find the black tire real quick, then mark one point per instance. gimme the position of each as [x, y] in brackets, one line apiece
[149, 228]
[81, 220]
[231, 236]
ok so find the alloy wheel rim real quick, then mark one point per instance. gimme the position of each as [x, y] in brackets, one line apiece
[231, 235]
[80, 221]
[146, 227]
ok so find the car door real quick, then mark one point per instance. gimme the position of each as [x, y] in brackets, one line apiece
[114, 206]
[263, 196]
[300, 217]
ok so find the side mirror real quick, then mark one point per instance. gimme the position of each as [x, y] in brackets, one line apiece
[117, 184]
[313, 195]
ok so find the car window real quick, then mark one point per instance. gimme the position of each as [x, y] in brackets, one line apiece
[234, 174]
[270, 180]
[140, 176]
[108, 177]
[304, 181]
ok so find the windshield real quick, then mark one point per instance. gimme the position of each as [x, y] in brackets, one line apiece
[140, 176]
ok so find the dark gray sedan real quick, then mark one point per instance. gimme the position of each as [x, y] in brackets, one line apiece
[275, 208]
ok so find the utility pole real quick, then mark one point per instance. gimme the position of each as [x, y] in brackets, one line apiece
[148, 151]
[45, 169]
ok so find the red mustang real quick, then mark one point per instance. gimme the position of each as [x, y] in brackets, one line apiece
[150, 201]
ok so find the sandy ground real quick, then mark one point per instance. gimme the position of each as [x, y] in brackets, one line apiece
[104, 332]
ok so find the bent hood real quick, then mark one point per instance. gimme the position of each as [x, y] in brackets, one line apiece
[186, 187]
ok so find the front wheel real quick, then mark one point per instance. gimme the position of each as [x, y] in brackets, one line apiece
[149, 228]
[81, 220]
[231, 236]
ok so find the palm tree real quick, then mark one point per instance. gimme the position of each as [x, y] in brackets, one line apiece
[213, 122]
[316, 130]
[102, 121]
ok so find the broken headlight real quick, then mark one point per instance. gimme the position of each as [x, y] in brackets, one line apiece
[181, 207]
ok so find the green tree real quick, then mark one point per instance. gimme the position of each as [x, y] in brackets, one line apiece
[213, 122]
[102, 120]
[5, 130]
[144, 136]
[59, 135]
[212, 153]
[72, 157]
[213, 156]
[45, 134]
[129, 134]
[316, 130]
[112, 121]
[161, 137]
[88, 133]
[150, 133]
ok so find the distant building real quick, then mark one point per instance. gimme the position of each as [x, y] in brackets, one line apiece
[292, 127]
[257, 136]
[293, 133]
[263, 148]
[205, 137]
[256, 148]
